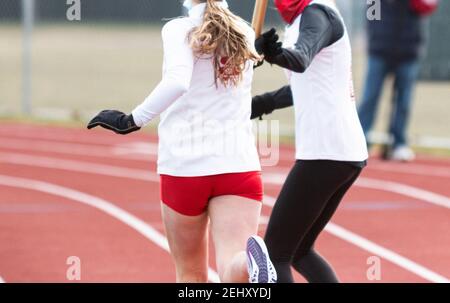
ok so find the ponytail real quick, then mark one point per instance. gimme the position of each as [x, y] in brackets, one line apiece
[222, 36]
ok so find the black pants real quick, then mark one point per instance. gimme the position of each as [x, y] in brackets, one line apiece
[309, 198]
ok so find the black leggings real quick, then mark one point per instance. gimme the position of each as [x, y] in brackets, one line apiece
[309, 198]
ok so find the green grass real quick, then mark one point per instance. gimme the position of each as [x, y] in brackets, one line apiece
[86, 68]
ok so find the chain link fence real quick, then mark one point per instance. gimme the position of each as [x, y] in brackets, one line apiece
[436, 64]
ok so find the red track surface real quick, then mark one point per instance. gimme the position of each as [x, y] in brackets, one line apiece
[40, 230]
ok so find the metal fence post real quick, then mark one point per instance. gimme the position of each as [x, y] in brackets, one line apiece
[27, 24]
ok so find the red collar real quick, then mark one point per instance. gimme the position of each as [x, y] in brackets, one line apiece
[291, 9]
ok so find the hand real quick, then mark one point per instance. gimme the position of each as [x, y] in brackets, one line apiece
[261, 41]
[262, 105]
[257, 109]
[114, 120]
[268, 44]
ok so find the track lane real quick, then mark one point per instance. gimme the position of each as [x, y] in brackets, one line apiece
[144, 164]
[127, 177]
[40, 231]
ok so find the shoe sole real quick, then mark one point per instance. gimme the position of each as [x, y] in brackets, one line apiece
[260, 255]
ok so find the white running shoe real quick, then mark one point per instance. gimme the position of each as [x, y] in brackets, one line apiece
[260, 268]
[402, 153]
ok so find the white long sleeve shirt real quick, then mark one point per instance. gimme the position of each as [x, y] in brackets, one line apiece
[205, 128]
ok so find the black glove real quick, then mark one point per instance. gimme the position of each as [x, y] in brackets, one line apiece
[114, 120]
[268, 44]
[266, 103]
[262, 105]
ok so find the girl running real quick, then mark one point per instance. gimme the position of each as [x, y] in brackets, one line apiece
[207, 158]
[330, 146]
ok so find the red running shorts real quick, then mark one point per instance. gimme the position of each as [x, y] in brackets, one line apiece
[190, 196]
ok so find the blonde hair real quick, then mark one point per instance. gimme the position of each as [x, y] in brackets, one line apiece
[222, 36]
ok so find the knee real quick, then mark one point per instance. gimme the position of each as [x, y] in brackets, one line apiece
[278, 257]
[282, 266]
[233, 270]
[301, 255]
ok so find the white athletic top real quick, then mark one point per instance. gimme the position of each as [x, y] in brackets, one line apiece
[327, 123]
[205, 129]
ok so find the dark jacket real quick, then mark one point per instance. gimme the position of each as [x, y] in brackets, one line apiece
[400, 34]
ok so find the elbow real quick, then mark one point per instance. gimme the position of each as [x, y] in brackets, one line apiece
[179, 83]
[297, 64]
[181, 78]
[182, 87]
[299, 69]
[302, 65]
[177, 86]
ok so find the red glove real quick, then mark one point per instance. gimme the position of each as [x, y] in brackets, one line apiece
[424, 7]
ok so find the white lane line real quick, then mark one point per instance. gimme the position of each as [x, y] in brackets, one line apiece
[105, 206]
[147, 151]
[136, 148]
[405, 190]
[411, 168]
[78, 166]
[117, 152]
[276, 179]
[272, 178]
[387, 186]
[385, 253]
[377, 250]
[82, 137]
[140, 147]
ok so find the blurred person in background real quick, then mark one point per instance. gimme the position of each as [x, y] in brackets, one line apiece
[395, 45]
